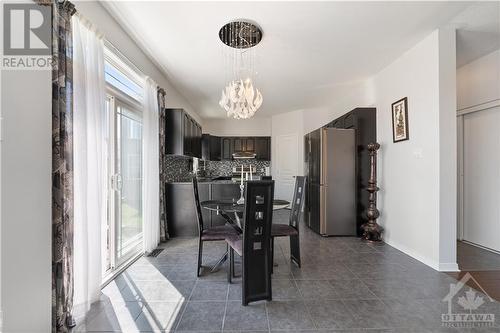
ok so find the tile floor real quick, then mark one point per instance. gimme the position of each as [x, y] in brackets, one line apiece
[344, 286]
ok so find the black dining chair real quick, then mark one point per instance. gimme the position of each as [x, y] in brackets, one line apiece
[292, 228]
[254, 246]
[218, 233]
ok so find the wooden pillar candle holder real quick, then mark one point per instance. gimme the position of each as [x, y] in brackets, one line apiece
[371, 230]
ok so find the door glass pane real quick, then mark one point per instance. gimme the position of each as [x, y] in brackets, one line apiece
[129, 155]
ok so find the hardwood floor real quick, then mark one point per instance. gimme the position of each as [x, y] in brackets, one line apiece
[483, 265]
[487, 280]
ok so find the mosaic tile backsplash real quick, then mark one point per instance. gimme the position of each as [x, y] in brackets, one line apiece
[225, 168]
[179, 168]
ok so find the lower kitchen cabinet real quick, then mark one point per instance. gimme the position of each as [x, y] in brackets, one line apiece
[224, 192]
[181, 210]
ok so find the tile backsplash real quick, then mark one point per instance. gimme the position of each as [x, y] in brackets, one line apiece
[225, 168]
[179, 168]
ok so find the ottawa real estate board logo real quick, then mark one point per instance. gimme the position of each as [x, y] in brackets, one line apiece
[27, 36]
[467, 308]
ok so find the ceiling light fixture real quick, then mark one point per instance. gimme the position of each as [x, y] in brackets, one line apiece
[240, 99]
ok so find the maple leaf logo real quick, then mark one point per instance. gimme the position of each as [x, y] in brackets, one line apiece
[470, 301]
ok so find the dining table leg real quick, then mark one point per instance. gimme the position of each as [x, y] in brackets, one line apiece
[224, 257]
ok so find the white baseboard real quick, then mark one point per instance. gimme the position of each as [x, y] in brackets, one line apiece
[448, 267]
[441, 267]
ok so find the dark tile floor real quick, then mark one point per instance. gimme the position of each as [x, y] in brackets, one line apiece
[344, 286]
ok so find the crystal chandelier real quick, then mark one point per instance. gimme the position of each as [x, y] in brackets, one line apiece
[239, 98]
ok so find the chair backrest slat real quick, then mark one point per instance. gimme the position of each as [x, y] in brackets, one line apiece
[297, 202]
[199, 214]
[257, 263]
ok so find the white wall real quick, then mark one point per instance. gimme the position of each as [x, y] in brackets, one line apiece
[228, 127]
[447, 150]
[113, 32]
[415, 190]
[478, 82]
[26, 201]
[342, 99]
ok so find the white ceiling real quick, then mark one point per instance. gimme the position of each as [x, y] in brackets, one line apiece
[307, 50]
[478, 31]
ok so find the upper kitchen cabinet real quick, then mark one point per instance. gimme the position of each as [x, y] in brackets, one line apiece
[183, 134]
[263, 148]
[258, 145]
[227, 148]
[211, 147]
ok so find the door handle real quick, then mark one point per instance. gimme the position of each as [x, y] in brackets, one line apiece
[119, 181]
[116, 182]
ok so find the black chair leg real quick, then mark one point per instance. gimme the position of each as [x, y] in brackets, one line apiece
[230, 271]
[200, 256]
[295, 250]
[272, 255]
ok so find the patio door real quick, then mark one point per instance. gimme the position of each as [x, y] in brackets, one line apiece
[124, 225]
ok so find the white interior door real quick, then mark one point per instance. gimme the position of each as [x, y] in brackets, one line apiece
[481, 184]
[287, 165]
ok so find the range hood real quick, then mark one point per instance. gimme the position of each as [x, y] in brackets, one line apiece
[244, 156]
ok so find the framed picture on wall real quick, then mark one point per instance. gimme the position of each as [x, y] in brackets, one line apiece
[400, 120]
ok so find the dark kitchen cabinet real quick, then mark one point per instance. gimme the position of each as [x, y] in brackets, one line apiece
[195, 139]
[227, 148]
[260, 145]
[249, 145]
[263, 148]
[223, 191]
[181, 211]
[211, 147]
[183, 134]
[238, 145]
[187, 136]
[243, 145]
[180, 208]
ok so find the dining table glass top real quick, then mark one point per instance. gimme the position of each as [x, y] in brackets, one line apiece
[231, 206]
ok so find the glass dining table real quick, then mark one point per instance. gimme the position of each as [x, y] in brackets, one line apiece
[231, 211]
[226, 208]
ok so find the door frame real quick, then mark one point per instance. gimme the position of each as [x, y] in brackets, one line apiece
[460, 155]
[276, 171]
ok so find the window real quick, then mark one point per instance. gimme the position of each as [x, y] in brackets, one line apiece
[121, 82]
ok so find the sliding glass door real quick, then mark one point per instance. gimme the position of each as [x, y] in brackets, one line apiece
[124, 223]
[128, 191]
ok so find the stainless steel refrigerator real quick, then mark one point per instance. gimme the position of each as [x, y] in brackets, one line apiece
[330, 156]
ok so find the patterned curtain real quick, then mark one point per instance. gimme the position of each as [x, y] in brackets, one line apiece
[163, 177]
[62, 165]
